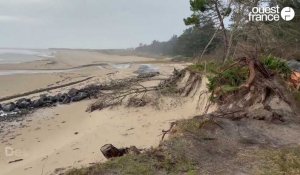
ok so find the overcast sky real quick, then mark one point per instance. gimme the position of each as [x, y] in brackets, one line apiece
[89, 23]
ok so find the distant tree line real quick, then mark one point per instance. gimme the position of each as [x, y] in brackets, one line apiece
[190, 44]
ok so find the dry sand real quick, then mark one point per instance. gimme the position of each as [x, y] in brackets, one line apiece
[66, 135]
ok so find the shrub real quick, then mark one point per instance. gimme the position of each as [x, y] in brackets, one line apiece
[229, 79]
[277, 65]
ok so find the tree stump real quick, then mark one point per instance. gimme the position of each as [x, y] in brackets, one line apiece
[109, 151]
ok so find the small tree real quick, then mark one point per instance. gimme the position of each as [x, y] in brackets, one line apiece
[210, 10]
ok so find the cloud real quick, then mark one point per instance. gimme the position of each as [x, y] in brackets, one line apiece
[21, 1]
[89, 23]
[18, 19]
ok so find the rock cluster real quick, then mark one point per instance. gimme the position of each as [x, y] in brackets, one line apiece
[26, 104]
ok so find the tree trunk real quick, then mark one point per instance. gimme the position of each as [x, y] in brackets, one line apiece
[206, 47]
[225, 38]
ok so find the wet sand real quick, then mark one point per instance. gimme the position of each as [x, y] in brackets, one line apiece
[66, 59]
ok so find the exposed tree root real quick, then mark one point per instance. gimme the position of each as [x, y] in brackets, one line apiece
[164, 132]
[116, 98]
[260, 80]
[191, 84]
[132, 91]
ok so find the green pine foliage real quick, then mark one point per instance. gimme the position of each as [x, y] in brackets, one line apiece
[277, 65]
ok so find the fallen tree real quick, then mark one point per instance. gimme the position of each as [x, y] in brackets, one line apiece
[255, 129]
[242, 76]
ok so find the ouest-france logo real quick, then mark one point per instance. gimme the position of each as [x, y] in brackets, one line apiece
[271, 14]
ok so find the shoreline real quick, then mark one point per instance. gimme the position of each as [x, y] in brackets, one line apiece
[40, 74]
[24, 71]
[68, 59]
[67, 135]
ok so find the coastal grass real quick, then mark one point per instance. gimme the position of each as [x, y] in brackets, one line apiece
[205, 67]
[129, 164]
[279, 161]
[173, 160]
[150, 163]
[177, 155]
[189, 148]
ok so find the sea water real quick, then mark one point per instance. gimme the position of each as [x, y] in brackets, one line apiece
[12, 56]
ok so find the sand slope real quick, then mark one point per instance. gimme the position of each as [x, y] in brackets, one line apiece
[66, 135]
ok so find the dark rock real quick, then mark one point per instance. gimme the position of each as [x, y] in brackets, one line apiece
[53, 99]
[73, 92]
[8, 107]
[64, 99]
[91, 90]
[37, 103]
[42, 102]
[109, 151]
[45, 100]
[57, 96]
[79, 97]
[148, 75]
[23, 103]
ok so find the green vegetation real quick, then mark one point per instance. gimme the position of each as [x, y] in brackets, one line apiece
[129, 164]
[242, 38]
[212, 11]
[206, 67]
[193, 145]
[280, 161]
[228, 79]
[174, 160]
[278, 65]
[184, 151]
[150, 163]
[191, 43]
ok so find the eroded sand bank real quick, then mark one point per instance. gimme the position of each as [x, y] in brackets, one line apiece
[66, 135]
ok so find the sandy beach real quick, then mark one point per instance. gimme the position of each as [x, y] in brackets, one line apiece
[66, 136]
[67, 59]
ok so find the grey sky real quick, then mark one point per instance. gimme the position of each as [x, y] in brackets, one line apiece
[89, 23]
